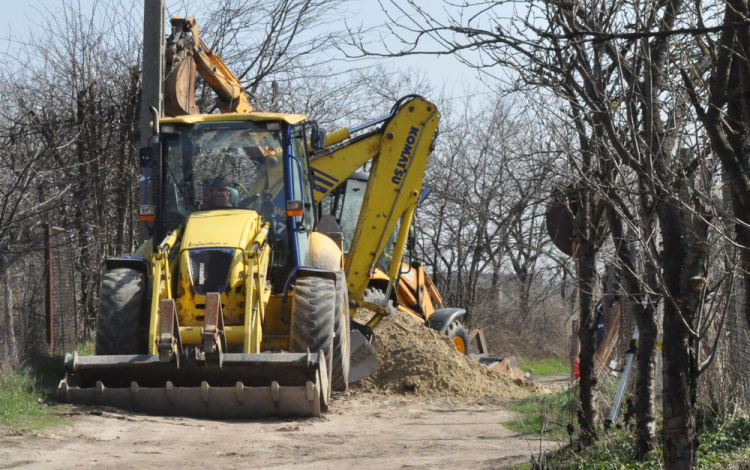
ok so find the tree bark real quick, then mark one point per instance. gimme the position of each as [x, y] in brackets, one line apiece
[588, 416]
[645, 319]
[684, 269]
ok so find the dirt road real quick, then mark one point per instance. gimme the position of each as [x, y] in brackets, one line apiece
[363, 431]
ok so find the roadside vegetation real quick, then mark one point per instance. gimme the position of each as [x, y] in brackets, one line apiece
[544, 415]
[724, 441]
[723, 445]
[27, 391]
[544, 366]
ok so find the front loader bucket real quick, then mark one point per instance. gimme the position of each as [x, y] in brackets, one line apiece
[242, 386]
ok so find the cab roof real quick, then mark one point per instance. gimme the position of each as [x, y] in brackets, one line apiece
[194, 118]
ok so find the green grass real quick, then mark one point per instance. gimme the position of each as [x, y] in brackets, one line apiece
[542, 366]
[86, 349]
[27, 391]
[550, 413]
[20, 463]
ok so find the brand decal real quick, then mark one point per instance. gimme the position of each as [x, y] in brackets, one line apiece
[202, 244]
[406, 153]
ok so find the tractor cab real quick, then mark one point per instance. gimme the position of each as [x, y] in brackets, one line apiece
[241, 169]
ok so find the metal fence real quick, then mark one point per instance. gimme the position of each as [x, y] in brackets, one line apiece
[725, 380]
[739, 346]
[63, 324]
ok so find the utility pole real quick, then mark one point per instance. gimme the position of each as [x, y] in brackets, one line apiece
[153, 64]
[151, 79]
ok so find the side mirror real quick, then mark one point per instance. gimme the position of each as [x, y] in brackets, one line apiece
[317, 138]
[423, 195]
[154, 139]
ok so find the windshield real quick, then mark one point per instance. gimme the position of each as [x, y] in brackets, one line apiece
[223, 165]
[346, 208]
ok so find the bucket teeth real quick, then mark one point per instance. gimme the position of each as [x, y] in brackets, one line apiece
[240, 387]
[170, 392]
[280, 384]
[99, 392]
[205, 392]
[310, 391]
[134, 392]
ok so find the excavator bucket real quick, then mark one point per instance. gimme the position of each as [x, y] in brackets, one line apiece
[179, 85]
[236, 386]
[363, 359]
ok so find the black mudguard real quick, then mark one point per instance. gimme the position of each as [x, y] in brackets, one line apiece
[441, 319]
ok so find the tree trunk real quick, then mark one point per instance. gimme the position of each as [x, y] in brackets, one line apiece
[729, 131]
[646, 321]
[683, 269]
[588, 416]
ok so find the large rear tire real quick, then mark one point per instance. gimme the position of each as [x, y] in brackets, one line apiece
[341, 346]
[120, 307]
[460, 337]
[313, 315]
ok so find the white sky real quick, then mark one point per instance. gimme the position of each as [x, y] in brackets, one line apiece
[444, 72]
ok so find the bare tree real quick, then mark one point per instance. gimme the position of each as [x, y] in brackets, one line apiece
[636, 159]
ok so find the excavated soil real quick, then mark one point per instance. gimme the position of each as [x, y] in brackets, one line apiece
[420, 361]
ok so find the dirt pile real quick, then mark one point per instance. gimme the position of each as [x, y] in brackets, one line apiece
[417, 360]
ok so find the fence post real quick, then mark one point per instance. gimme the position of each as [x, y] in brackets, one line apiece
[10, 336]
[49, 307]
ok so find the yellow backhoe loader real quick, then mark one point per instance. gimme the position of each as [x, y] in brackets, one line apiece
[239, 304]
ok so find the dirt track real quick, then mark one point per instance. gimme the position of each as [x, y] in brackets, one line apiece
[362, 431]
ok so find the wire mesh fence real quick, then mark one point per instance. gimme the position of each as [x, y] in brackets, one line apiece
[738, 349]
[63, 323]
[726, 381]
[724, 355]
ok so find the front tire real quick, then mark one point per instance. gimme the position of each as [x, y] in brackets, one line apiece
[120, 307]
[341, 346]
[313, 315]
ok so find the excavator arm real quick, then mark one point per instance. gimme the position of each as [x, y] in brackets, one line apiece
[398, 150]
[186, 54]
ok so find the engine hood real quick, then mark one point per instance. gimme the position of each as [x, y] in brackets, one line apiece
[225, 228]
